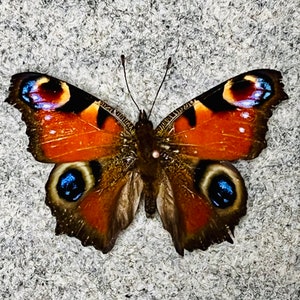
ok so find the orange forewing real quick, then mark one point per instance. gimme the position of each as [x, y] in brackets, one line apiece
[235, 132]
[217, 135]
[66, 137]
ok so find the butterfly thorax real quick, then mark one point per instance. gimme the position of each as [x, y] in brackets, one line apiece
[147, 160]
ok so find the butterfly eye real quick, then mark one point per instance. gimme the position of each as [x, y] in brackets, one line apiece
[69, 182]
[221, 183]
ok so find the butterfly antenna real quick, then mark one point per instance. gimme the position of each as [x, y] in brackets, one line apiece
[125, 76]
[167, 69]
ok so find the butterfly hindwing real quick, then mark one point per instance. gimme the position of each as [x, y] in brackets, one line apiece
[94, 200]
[201, 203]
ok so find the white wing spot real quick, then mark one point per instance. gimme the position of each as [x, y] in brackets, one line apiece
[47, 117]
[245, 115]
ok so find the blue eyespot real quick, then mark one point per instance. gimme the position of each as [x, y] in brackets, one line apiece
[266, 87]
[71, 185]
[26, 89]
[222, 191]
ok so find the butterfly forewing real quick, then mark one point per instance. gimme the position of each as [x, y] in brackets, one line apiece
[66, 124]
[228, 122]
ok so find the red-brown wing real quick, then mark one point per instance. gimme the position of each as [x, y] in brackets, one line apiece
[228, 122]
[93, 201]
[93, 190]
[200, 203]
[202, 198]
[64, 123]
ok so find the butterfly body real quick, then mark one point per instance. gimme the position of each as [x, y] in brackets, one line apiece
[104, 164]
[147, 160]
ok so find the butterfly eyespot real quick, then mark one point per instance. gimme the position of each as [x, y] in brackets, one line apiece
[221, 191]
[69, 182]
[44, 92]
[248, 91]
[221, 183]
[70, 185]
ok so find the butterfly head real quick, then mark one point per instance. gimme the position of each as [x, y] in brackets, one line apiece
[143, 122]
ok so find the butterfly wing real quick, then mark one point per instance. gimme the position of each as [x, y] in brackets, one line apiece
[202, 197]
[228, 122]
[93, 190]
[64, 123]
[94, 200]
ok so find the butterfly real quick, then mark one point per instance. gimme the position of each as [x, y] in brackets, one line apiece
[105, 164]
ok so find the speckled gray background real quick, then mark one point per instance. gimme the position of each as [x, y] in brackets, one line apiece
[209, 42]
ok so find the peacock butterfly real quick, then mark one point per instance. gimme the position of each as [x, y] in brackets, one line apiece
[104, 164]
